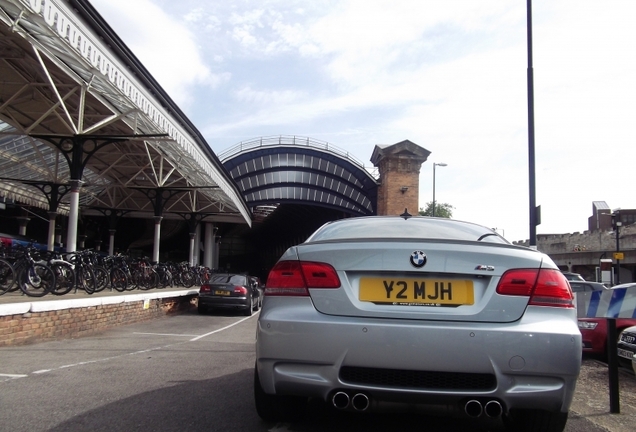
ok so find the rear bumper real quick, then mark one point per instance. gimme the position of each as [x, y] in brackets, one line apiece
[225, 302]
[535, 362]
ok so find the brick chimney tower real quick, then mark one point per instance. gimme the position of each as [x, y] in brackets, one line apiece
[399, 167]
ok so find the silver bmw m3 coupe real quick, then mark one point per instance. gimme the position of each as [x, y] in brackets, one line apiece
[377, 312]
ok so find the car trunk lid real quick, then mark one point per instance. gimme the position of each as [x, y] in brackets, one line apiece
[456, 282]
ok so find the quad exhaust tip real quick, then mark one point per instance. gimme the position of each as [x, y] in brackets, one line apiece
[493, 408]
[359, 402]
[340, 400]
[474, 408]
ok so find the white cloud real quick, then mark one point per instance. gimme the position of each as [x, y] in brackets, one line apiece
[166, 47]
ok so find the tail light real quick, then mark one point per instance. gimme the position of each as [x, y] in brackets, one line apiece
[205, 288]
[240, 290]
[545, 287]
[294, 278]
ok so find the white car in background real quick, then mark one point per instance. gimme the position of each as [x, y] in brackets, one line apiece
[627, 348]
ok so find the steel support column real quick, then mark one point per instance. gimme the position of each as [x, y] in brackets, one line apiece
[157, 239]
[191, 250]
[208, 248]
[111, 242]
[50, 243]
[73, 216]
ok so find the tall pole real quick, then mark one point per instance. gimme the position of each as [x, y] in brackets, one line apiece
[618, 249]
[531, 162]
[434, 164]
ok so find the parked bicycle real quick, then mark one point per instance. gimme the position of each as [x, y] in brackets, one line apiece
[35, 278]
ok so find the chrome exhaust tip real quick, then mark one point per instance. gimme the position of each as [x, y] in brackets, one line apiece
[473, 408]
[340, 400]
[493, 408]
[360, 402]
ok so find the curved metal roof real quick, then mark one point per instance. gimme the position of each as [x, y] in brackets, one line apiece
[290, 169]
[67, 76]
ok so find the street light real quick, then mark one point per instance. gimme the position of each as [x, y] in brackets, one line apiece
[442, 164]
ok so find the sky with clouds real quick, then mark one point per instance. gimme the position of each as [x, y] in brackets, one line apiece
[449, 75]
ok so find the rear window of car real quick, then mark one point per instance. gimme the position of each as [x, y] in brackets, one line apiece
[226, 278]
[382, 227]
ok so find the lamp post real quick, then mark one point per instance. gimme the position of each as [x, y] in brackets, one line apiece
[442, 164]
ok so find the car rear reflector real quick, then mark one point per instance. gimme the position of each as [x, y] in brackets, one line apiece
[545, 287]
[294, 278]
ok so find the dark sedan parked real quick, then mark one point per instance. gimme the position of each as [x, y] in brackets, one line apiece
[229, 291]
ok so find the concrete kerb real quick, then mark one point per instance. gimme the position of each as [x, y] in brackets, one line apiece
[61, 304]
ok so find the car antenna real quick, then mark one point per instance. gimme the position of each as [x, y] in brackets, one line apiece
[406, 214]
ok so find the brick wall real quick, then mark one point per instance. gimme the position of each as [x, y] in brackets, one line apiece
[29, 327]
[395, 174]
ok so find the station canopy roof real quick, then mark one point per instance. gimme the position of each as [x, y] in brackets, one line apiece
[70, 90]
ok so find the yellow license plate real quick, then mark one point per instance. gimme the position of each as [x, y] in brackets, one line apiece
[222, 292]
[417, 292]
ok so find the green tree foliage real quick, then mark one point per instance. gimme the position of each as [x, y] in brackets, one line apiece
[442, 210]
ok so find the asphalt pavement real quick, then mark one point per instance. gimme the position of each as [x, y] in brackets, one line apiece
[590, 410]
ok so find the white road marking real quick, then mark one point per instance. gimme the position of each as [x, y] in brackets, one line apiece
[194, 339]
[9, 377]
[163, 334]
[221, 329]
[107, 358]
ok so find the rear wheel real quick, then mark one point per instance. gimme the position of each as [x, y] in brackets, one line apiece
[118, 279]
[187, 278]
[64, 278]
[7, 276]
[534, 420]
[276, 407]
[201, 309]
[101, 278]
[37, 280]
[86, 278]
[248, 310]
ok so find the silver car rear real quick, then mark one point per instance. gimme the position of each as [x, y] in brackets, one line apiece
[370, 312]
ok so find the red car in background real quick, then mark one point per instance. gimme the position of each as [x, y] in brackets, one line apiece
[594, 330]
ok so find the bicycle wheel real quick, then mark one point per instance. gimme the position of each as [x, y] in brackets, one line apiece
[135, 280]
[149, 280]
[187, 278]
[166, 279]
[86, 279]
[7, 276]
[64, 278]
[118, 279]
[101, 278]
[37, 280]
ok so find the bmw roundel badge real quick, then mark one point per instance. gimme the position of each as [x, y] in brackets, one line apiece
[418, 258]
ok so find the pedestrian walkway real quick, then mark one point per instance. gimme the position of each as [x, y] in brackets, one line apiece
[19, 297]
[26, 320]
